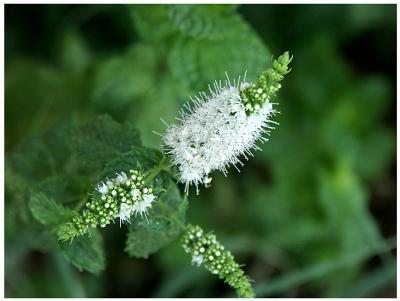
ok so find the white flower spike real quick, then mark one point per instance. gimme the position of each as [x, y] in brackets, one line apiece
[223, 126]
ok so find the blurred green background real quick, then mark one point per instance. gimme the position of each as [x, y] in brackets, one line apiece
[312, 215]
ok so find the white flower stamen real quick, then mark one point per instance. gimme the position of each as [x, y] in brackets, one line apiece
[214, 133]
[124, 213]
[102, 188]
[121, 177]
[142, 207]
[197, 260]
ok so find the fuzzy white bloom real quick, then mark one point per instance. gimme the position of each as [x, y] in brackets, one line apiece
[121, 178]
[215, 133]
[102, 188]
[135, 193]
[197, 260]
[148, 199]
[142, 207]
[125, 212]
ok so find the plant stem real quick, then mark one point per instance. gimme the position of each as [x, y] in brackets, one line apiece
[156, 170]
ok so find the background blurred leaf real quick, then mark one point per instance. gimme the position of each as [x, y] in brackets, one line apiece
[75, 55]
[202, 21]
[121, 79]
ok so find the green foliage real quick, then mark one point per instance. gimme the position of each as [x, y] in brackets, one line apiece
[199, 62]
[166, 221]
[75, 56]
[98, 149]
[137, 157]
[146, 16]
[47, 211]
[122, 79]
[202, 21]
[86, 252]
[306, 215]
[101, 140]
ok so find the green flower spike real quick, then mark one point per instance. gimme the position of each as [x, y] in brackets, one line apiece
[206, 250]
[255, 95]
[120, 198]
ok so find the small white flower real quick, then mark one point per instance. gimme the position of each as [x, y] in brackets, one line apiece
[121, 178]
[149, 198]
[197, 260]
[125, 213]
[215, 133]
[142, 207]
[102, 188]
[135, 193]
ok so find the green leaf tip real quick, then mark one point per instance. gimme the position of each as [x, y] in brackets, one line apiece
[207, 251]
[47, 211]
[257, 94]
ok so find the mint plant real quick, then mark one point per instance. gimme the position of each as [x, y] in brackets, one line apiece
[136, 185]
[312, 206]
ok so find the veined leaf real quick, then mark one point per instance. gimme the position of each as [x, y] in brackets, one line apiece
[199, 62]
[47, 211]
[143, 157]
[101, 139]
[201, 21]
[85, 252]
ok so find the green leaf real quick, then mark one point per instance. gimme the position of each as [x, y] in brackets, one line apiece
[85, 252]
[121, 79]
[102, 139]
[74, 54]
[166, 107]
[48, 95]
[352, 227]
[146, 16]
[41, 156]
[201, 21]
[66, 189]
[199, 62]
[47, 211]
[164, 224]
[143, 157]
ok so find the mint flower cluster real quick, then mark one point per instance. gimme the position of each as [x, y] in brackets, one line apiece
[120, 197]
[221, 127]
[207, 251]
[255, 95]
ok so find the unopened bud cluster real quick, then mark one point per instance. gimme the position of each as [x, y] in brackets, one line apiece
[206, 250]
[120, 197]
[255, 95]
